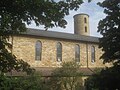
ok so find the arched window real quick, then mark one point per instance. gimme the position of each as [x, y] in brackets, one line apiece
[77, 53]
[85, 29]
[93, 54]
[85, 20]
[38, 50]
[59, 51]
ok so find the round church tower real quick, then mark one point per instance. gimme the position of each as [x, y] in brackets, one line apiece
[81, 24]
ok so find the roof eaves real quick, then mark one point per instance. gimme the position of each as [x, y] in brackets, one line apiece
[59, 35]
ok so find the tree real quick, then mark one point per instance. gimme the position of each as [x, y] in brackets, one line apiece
[15, 13]
[30, 82]
[109, 28]
[67, 77]
[42, 12]
[106, 79]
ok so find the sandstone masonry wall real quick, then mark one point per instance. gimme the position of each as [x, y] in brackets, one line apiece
[24, 48]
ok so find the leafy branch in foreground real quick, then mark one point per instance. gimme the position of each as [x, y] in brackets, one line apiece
[109, 28]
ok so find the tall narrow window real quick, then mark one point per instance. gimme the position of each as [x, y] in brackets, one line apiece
[38, 50]
[59, 51]
[85, 29]
[93, 54]
[77, 53]
[85, 20]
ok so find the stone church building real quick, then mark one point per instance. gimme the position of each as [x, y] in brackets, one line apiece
[46, 50]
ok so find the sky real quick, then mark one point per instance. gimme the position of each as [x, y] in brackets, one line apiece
[94, 11]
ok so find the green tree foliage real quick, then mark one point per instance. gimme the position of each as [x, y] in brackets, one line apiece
[30, 82]
[67, 77]
[109, 28]
[50, 13]
[15, 13]
[107, 79]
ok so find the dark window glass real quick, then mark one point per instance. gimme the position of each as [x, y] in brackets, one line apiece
[85, 29]
[77, 53]
[59, 51]
[92, 54]
[38, 50]
[85, 20]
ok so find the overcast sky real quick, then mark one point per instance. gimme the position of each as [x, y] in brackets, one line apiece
[92, 9]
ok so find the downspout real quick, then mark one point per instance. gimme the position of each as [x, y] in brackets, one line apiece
[12, 45]
[11, 48]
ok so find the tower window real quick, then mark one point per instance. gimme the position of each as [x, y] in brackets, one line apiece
[85, 29]
[38, 50]
[93, 54]
[59, 51]
[77, 53]
[85, 20]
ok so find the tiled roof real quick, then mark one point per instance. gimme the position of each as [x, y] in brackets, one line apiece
[47, 71]
[59, 35]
